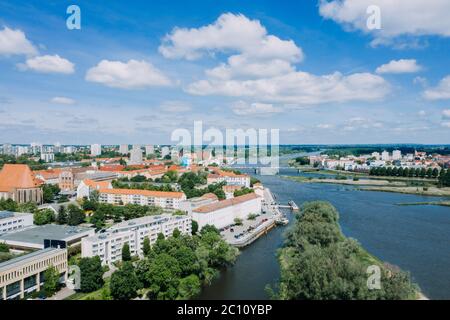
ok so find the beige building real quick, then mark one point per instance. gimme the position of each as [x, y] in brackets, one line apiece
[24, 274]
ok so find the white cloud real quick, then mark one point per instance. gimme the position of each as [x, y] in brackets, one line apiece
[229, 32]
[325, 126]
[298, 88]
[127, 75]
[445, 124]
[262, 66]
[14, 42]
[398, 18]
[48, 64]
[62, 100]
[242, 108]
[175, 106]
[446, 113]
[422, 113]
[441, 91]
[399, 66]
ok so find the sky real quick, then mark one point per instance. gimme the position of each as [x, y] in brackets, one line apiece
[136, 71]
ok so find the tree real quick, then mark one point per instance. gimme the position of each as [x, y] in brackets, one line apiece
[89, 205]
[8, 205]
[146, 249]
[44, 216]
[126, 255]
[98, 219]
[176, 233]
[75, 215]
[4, 248]
[62, 215]
[238, 221]
[194, 227]
[50, 191]
[29, 207]
[189, 287]
[51, 281]
[91, 274]
[124, 283]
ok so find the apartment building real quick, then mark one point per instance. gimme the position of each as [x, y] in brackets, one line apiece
[25, 274]
[231, 178]
[87, 186]
[166, 200]
[108, 245]
[14, 221]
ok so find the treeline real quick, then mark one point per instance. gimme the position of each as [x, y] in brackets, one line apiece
[442, 175]
[319, 263]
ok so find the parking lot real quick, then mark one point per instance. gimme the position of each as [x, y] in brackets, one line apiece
[233, 233]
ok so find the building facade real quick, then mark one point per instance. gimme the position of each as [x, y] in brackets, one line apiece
[108, 245]
[25, 274]
[14, 221]
[166, 200]
[17, 182]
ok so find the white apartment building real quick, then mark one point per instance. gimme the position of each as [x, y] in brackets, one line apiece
[165, 151]
[149, 149]
[385, 156]
[396, 155]
[163, 199]
[108, 245]
[136, 156]
[230, 178]
[48, 157]
[123, 149]
[14, 221]
[96, 150]
[222, 213]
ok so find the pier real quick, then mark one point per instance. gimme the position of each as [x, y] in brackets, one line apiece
[291, 205]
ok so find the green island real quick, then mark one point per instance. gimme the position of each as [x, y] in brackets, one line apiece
[319, 263]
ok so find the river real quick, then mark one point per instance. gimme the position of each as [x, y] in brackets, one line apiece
[416, 238]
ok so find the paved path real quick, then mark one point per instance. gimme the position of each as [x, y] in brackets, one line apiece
[62, 294]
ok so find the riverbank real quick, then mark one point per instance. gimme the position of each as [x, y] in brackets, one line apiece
[377, 185]
[431, 203]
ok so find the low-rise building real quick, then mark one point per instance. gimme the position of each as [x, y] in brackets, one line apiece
[223, 213]
[50, 235]
[231, 178]
[163, 199]
[25, 274]
[14, 221]
[108, 245]
[87, 186]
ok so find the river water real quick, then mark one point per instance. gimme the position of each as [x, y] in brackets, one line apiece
[416, 238]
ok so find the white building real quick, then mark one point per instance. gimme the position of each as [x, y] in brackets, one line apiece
[123, 149]
[96, 150]
[230, 178]
[376, 155]
[163, 199]
[108, 245]
[222, 213]
[396, 155]
[165, 151]
[48, 157]
[149, 149]
[385, 156]
[136, 156]
[14, 221]
[87, 186]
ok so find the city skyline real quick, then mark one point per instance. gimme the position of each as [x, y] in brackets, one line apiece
[133, 74]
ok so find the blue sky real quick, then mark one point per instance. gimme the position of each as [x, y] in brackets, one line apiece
[134, 73]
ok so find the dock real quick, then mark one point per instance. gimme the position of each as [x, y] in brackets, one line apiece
[291, 205]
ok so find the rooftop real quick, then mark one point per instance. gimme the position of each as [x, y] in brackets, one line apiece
[226, 203]
[147, 193]
[145, 220]
[9, 214]
[16, 262]
[37, 234]
[17, 176]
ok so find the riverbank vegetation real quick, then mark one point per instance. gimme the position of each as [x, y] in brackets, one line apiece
[318, 262]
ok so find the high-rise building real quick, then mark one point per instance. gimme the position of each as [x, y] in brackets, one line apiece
[165, 151]
[96, 150]
[7, 149]
[136, 156]
[396, 155]
[48, 157]
[123, 149]
[149, 149]
[385, 156]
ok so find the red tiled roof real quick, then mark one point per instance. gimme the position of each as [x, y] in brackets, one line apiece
[17, 176]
